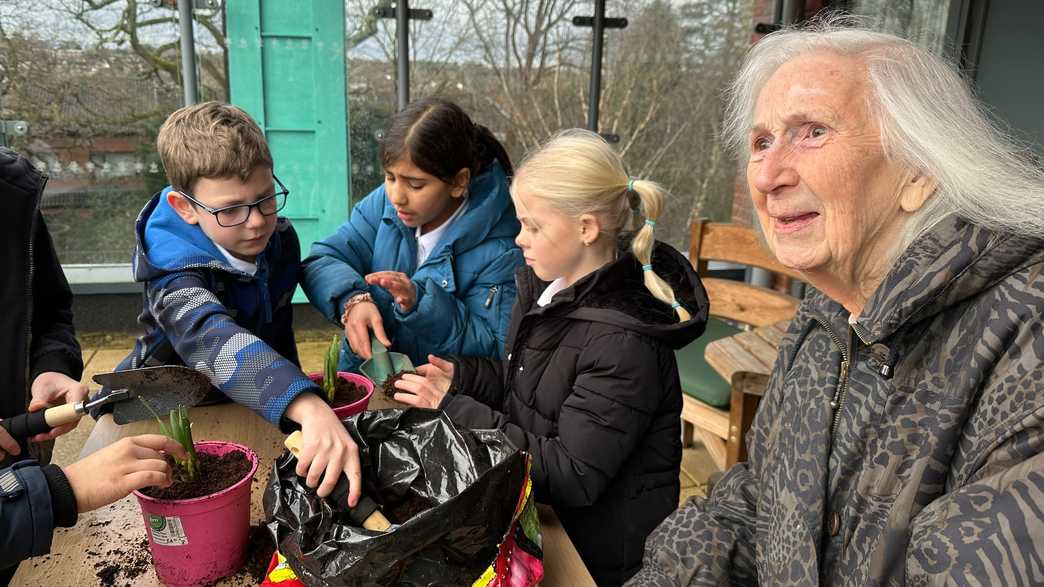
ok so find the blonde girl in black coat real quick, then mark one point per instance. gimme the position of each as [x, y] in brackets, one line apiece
[588, 384]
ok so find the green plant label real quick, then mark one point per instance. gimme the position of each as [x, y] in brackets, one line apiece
[167, 531]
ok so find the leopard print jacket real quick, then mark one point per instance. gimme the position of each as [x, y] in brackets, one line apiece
[905, 449]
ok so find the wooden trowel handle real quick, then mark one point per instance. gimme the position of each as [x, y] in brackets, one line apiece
[32, 423]
[365, 513]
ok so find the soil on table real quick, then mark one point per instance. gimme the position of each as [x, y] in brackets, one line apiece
[388, 387]
[213, 474]
[122, 562]
[347, 392]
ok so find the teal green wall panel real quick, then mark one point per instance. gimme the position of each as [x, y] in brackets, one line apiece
[287, 69]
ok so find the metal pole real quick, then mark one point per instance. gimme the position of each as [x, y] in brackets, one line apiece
[402, 38]
[596, 65]
[188, 53]
[790, 11]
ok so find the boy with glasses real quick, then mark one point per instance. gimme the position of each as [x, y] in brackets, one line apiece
[220, 269]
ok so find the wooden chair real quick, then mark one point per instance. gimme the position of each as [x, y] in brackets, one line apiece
[719, 411]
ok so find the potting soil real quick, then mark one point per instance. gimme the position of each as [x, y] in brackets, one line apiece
[347, 392]
[213, 474]
[388, 387]
[122, 562]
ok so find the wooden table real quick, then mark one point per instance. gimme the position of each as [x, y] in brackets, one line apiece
[76, 551]
[745, 360]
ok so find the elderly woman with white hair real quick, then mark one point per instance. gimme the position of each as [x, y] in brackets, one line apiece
[900, 438]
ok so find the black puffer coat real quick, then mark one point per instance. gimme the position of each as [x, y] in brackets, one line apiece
[589, 386]
[36, 321]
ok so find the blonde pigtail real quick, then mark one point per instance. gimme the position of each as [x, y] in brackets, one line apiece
[652, 198]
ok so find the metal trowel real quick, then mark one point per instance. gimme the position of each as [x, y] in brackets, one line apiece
[163, 388]
[383, 364]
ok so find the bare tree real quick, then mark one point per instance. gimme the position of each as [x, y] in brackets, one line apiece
[661, 94]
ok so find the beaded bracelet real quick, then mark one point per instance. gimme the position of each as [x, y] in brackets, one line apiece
[352, 302]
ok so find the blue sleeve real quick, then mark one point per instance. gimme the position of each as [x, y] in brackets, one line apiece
[208, 340]
[26, 516]
[336, 265]
[473, 322]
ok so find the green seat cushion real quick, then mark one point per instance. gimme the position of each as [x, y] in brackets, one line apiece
[698, 379]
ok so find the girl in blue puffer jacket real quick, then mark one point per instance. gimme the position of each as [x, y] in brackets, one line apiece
[426, 261]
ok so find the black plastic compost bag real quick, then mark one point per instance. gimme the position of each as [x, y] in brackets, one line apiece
[449, 493]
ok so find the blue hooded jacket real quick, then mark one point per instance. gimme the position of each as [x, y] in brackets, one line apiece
[201, 312]
[465, 288]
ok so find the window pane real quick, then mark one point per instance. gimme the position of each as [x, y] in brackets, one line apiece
[923, 22]
[94, 102]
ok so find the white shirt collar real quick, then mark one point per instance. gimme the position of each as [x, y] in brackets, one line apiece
[550, 291]
[237, 263]
[426, 242]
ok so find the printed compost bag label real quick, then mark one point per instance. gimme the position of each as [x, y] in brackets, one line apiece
[167, 531]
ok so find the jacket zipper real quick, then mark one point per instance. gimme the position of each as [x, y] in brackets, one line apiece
[838, 401]
[489, 298]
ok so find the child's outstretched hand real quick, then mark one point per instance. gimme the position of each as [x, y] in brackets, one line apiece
[328, 450]
[427, 389]
[398, 284]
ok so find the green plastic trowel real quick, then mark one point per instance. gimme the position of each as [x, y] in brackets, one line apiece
[383, 364]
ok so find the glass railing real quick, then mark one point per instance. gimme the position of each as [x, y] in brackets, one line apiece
[94, 84]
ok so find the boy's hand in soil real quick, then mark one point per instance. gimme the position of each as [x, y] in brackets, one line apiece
[52, 389]
[398, 284]
[362, 318]
[428, 389]
[327, 449]
[111, 473]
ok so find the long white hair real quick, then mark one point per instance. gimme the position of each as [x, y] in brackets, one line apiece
[928, 119]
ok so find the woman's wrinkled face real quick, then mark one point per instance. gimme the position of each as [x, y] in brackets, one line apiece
[825, 194]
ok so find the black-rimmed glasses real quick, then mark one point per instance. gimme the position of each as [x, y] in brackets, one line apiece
[235, 215]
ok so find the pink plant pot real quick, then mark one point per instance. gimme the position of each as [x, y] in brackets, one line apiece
[198, 541]
[355, 407]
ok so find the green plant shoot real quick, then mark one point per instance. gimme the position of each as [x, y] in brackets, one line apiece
[179, 429]
[333, 355]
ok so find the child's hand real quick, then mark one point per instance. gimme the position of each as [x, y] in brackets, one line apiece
[328, 450]
[439, 372]
[363, 318]
[420, 392]
[8, 445]
[114, 471]
[52, 389]
[399, 285]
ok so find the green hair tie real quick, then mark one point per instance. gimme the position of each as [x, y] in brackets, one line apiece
[675, 304]
[647, 267]
[651, 223]
[630, 184]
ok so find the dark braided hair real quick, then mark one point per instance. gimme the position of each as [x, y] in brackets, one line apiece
[440, 139]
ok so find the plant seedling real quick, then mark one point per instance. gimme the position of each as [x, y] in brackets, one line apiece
[179, 429]
[333, 355]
